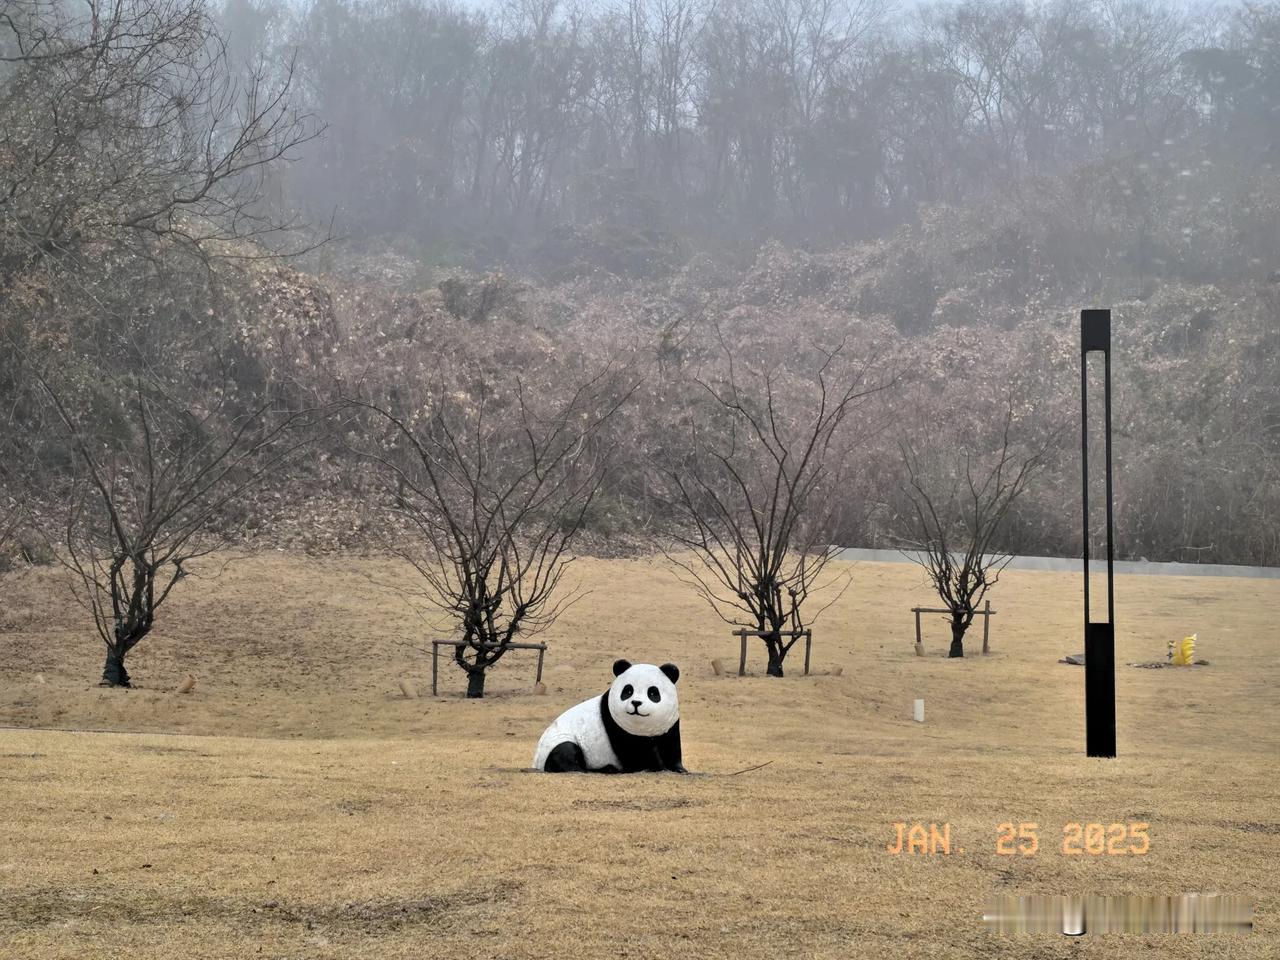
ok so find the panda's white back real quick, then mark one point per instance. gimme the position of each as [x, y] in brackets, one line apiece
[580, 724]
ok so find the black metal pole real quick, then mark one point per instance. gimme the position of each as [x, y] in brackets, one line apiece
[1099, 638]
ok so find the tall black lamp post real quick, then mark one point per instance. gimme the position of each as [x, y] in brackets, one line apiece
[1099, 638]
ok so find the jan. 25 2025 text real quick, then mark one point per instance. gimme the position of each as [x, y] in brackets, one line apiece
[1129, 839]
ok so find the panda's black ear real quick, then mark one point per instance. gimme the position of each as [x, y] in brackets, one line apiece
[671, 670]
[620, 667]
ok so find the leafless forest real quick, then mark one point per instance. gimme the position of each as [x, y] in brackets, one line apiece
[400, 219]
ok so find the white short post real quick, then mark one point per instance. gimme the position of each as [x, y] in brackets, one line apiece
[918, 711]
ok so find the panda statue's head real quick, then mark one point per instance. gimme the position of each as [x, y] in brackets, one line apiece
[642, 698]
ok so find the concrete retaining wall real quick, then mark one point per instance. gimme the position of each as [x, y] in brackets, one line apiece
[1073, 565]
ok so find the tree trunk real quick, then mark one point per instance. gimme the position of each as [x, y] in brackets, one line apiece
[113, 673]
[475, 685]
[775, 661]
[958, 628]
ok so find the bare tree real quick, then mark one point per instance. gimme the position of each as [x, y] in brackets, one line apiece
[124, 123]
[656, 71]
[494, 491]
[758, 493]
[145, 491]
[956, 512]
[535, 84]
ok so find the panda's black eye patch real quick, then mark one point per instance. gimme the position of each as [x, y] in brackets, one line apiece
[654, 695]
[626, 692]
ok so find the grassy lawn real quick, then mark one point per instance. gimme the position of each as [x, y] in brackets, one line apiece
[297, 805]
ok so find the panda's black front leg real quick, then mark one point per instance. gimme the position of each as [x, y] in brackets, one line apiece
[669, 754]
[666, 763]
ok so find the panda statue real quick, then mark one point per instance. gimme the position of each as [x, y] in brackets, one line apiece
[632, 727]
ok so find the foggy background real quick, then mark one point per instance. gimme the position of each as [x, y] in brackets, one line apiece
[538, 186]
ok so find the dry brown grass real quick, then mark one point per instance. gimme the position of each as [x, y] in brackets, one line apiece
[309, 810]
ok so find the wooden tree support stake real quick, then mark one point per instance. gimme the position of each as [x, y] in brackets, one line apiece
[986, 629]
[986, 613]
[437, 644]
[744, 633]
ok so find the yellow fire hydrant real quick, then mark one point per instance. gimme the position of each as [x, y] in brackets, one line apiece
[1183, 653]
